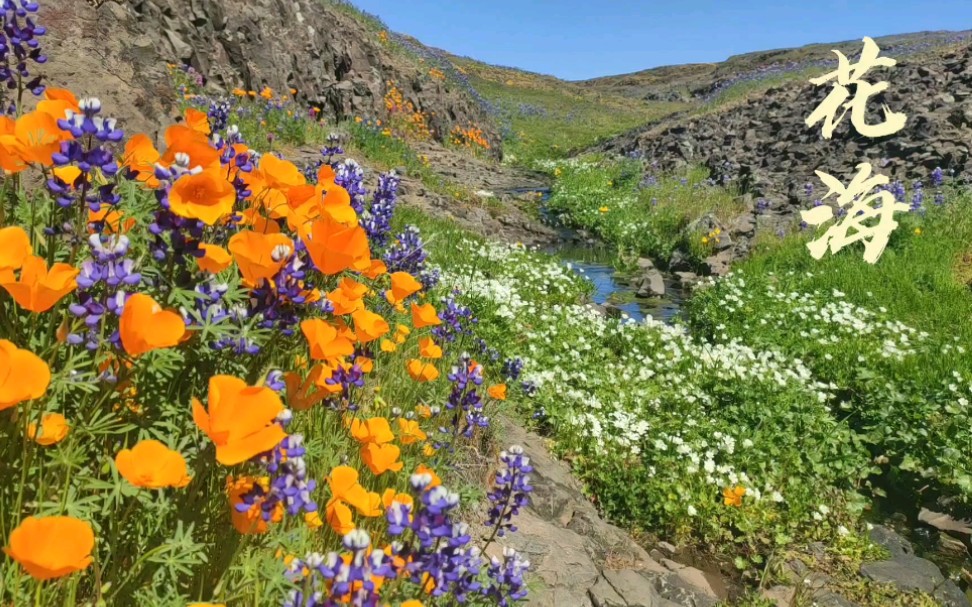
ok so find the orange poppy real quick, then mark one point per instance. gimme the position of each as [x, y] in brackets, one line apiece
[344, 486]
[152, 465]
[325, 340]
[198, 121]
[422, 371]
[424, 316]
[391, 496]
[403, 285]
[253, 217]
[497, 391]
[57, 102]
[369, 326]
[181, 139]
[388, 346]
[140, 157]
[39, 138]
[260, 256]
[14, 248]
[215, 260]
[410, 431]
[337, 203]
[240, 419]
[373, 430]
[429, 349]
[205, 196]
[334, 247]
[38, 288]
[145, 326]
[53, 429]
[51, 546]
[299, 395]
[376, 269]
[23, 375]
[347, 297]
[110, 218]
[339, 516]
[732, 496]
[381, 458]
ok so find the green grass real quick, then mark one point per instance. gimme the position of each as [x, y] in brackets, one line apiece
[904, 372]
[639, 217]
[549, 118]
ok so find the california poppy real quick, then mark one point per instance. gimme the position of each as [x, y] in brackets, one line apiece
[140, 157]
[51, 546]
[241, 419]
[732, 496]
[375, 269]
[23, 375]
[57, 102]
[388, 345]
[429, 349]
[344, 486]
[14, 248]
[339, 516]
[258, 255]
[423, 469]
[185, 142]
[347, 297]
[403, 285]
[152, 465]
[381, 458]
[334, 247]
[410, 431]
[205, 196]
[369, 326]
[145, 326]
[422, 371]
[38, 288]
[371, 430]
[325, 340]
[198, 121]
[300, 397]
[53, 429]
[215, 258]
[424, 316]
[390, 496]
[497, 391]
[39, 137]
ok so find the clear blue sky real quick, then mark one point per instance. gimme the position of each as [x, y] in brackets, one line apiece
[576, 39]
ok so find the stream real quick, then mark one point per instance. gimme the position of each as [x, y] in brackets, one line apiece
[593, 260]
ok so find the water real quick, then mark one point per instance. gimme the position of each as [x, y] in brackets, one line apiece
[594, 261]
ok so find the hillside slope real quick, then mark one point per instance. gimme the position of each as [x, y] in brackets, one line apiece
[334, 59]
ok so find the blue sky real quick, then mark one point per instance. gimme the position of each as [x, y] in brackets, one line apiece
[576, 39]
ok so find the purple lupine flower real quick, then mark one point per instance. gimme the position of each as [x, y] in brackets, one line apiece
[105, 281]
[937, 177]
[19, 43]
[376, 221]
[939, 198]
[762, 205]
[506, 583]
[408, 254]
[350, 176]
[511, 491]
[348, 378]
[897, 189]
[917, 197]
[464, 400]
[456, 319]
[512, 368]
[808, 189]
[218, 114]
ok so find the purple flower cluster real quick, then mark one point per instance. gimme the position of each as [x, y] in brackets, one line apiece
[512, 368]
[276, 303]
[506, 584]
[376, 221]
[511, 491]
[328, 581]
[87, 151]
[917, 197]
[350, 176]
[289, 485]
[102, 288]
[348, 378]
[464, 400]
[408, 254]
[456, 320]
[18, 44]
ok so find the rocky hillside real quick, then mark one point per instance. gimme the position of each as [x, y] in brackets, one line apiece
[702, 82]
[334, 58]
[766, 147]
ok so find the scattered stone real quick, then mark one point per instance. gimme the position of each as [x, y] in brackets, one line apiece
[907, 572]
[687, 278]
[649, 284]
[782, 596]
[892, 542]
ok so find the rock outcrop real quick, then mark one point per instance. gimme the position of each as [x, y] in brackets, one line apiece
[334, 60]
[768, 150]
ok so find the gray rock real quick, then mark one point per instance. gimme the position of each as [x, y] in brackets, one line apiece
[890, 541]
[649, 284]
[603, 594]
[907, 572]
[781, 596]
[950, 595]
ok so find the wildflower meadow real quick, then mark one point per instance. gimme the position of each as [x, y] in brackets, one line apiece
[224, 378]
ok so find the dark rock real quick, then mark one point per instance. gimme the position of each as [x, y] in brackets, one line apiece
[906, 572]
[950, 595]
[891, 541]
